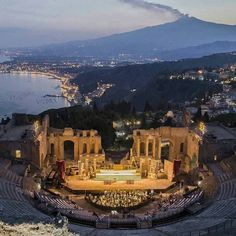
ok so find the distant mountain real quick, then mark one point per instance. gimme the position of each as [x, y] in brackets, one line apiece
[199, 51]
[137, 83]
[155, 41]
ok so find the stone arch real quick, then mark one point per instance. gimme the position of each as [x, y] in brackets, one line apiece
[181, 149]
[142, 148]
[92, 148]
[69, 150]
[85, 148]
[166, 146]
[52, 149]
[150, 148]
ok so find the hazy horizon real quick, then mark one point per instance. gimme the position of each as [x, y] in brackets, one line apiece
[34, 22]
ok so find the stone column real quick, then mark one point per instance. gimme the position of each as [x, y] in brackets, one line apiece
[154, 149]
[159, 148]
[146, 148]
[86, 165]
[131, 152]
[96, 149]
[56, 148]
[80, 146]
[138, 147]
[76, 150]
[95, 165]
[79, 167]
[88, 147]
[61, 150]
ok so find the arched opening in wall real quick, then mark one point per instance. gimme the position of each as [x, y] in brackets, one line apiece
[69, 150]
[52, 150]
[181, 147]
[84, 148]
[46, 160]
[142, 149]
[42, 160]
[165, 150]
[150, 149]
[92, 148]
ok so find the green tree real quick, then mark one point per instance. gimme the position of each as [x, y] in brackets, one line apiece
[144, 122]
[95, 108]
[198, 115]
[206, 117]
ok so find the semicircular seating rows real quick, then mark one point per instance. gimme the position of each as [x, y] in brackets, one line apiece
[14, 205]
[79, 215]
[220, 211]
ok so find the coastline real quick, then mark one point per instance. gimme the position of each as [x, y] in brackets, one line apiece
[68, 92]
[50, 75]
[4, 58]
[48, 96]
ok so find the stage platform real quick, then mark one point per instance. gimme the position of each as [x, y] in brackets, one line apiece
[76, 185]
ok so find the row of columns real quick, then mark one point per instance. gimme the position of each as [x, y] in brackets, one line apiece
[156, 147]
[78, 149]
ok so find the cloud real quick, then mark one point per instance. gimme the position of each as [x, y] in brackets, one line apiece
[154, 7]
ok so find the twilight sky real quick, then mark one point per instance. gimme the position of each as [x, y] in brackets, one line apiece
[92, 18]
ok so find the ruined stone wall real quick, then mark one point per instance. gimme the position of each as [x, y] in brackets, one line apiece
[29, 150]
[86, 144]
[183, 145]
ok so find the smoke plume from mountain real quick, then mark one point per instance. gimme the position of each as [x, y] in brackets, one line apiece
[154, 7]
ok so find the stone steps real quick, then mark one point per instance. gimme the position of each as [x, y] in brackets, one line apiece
[227, 190]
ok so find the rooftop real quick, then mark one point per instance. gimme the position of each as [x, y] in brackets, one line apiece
[14, 133]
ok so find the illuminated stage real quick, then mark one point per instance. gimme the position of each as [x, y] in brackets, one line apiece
[118, 175]
[75, 185]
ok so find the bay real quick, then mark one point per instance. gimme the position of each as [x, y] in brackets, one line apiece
[29, 93]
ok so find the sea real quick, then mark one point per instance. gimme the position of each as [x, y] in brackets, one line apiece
[29, 93]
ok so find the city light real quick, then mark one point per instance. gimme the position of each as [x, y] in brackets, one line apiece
[202, 128]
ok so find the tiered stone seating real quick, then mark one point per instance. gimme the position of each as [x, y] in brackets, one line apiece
[223, 208]
[76, 213]
[4, 163]
[69, 209]
[220, 209]
[225, 177]
[225, 166]
[10, 191]
[190, 226]
[19, 210]
[182, 203]
[13, 203]
[227, 190]
[119, 223]
[57, 202]
[219, 173]
[12, 177]
[187, 201]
